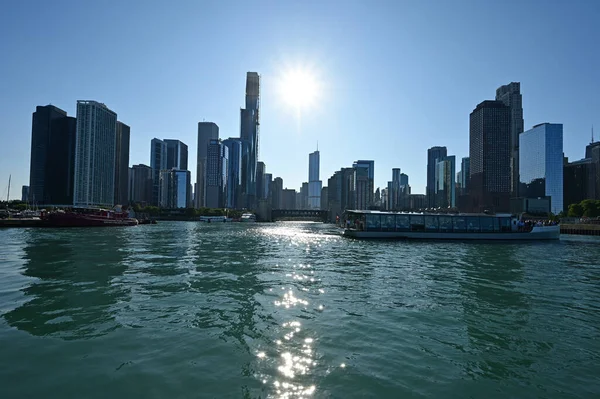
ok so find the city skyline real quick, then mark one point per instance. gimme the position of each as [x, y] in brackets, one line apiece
[215, 93]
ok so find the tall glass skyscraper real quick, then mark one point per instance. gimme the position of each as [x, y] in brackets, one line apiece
[541, 164]
[175, 188]
[314, 184]
[433, 154]
[510, 95]
[234, 172]
[95, 155]
[158, 162]
[177, 154]
[445, 186]
[249, 134]
[216, 174]
[122, 164]
[207, 131]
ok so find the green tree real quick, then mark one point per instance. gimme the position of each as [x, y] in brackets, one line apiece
[589, 208]
[575, 211]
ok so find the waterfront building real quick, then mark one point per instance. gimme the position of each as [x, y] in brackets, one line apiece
[261, 169]
[489, 157]
[394, 189]
[234, 172]
[158, 162]
[289, 199]
[314, 182]
[52, 163]
[541, 164]
[323, 198]
[217, 160]
[25, 193]
[140, 184]
[122, 164]
[510, 95]
[465, 170]
[175, 187]
[579, 182]
[177, 154]
[277, 193]
[445, 186]
[96, 131]
[417, 201]
[268, 181]
[249, 134]
[207, 131]
[364, 182]
[390, 196]
[433, 154]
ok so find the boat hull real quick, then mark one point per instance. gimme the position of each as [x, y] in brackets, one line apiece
[77, 220]
[537, 233]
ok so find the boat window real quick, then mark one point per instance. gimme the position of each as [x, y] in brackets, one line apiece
[496, 224]
[487, 224]
[417, 223]
[402, 223]
[373, 222]
[460, 224]
[473, 224]
[446, 223]
[505, 225]
[431, 223]
[388, 222]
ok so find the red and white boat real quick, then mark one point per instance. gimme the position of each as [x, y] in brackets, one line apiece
[79, 217]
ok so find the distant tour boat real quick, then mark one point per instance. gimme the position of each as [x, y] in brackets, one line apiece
[376, 224]
[248, 217]
[80, 217]
[214, 219]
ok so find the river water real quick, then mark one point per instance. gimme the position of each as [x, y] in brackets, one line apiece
[191, 310]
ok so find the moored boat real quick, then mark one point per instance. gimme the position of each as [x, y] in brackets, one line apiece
[376, 224]
[88, 218]
[248, 217]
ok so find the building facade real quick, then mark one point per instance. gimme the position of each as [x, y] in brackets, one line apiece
[207, 131]
[234, 172]
[52, 163]
[122, 164]
[541, 164]
[510, 95]
[277, 193]
[364, 183]
[177, 154]
[261, 169]
[158, 163]
[249, 134]
[433, 154]
[217, 161]
[140, 184]
[175, 185]
[96, 136]
[24, 193]
[445, 185]
[314, 182]
[489, 156]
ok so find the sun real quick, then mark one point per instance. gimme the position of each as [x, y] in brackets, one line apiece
[298, 88]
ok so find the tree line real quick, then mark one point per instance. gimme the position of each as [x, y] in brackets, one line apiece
[586, 208]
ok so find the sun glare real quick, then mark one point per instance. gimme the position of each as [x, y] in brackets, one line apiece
[299, 88]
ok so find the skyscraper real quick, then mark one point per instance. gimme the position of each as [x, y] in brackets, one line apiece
[24, 193]
[510, 95]
[177, 154]
[249, 134]
[433, 154]
[52, 156]
[216, 174]
[314, 182]
[277, 193]
[489, 155]
[95, 155]
[268, 181]
[364, 183]
[445, 186]
[541, 164]
[175, 187]
[207, 131]
[465, 175]
[122, 164]
[140, 184]
[261, 169]
[234, 172]
[158, 162]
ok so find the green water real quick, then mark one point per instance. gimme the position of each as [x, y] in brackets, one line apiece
[190, 310]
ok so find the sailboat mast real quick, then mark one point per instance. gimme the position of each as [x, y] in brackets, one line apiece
[8, 195]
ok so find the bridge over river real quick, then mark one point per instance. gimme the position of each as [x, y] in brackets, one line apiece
[299, 214]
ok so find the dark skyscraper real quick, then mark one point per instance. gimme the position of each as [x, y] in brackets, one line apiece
[216, 174]
[177, 154]
[433, 154]
[52, 156]
[489, 155]
[140, 184]
[122, 164]
[207, 131]
[249, 134]
[261, 169]
[233, 172]
[510, 95]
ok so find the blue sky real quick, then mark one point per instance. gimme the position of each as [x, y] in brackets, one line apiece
[395, 77]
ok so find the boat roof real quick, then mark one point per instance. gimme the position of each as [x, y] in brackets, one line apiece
[430, 213]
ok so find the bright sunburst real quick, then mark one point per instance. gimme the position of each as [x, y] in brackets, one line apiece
[298, 88]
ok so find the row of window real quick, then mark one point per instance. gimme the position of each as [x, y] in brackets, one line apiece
[437, 223]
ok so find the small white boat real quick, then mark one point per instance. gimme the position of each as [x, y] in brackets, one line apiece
[248, 217]
[215, 219]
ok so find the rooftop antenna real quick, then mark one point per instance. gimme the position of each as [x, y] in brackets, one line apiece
[592, 133]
